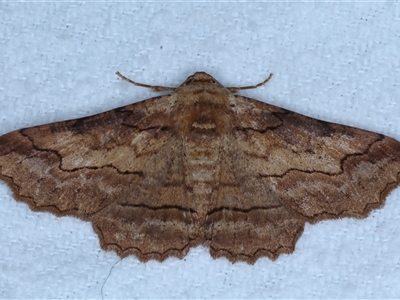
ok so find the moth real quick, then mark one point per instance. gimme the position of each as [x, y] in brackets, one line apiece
[200, 166]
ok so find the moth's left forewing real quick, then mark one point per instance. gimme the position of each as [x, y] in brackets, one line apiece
[58, 166]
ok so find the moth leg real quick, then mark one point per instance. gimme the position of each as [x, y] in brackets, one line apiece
[239, 88]
[155, 88]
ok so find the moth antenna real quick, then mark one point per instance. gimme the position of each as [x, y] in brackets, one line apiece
[155, 88]
[239, 88]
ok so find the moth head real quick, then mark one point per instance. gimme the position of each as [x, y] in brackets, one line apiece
[200, 78]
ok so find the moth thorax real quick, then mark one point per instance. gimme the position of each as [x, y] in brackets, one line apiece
[205, 123]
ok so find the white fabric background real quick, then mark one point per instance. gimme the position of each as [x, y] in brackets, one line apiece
[335, 61]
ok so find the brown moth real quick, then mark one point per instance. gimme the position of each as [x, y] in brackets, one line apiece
[200, 166]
